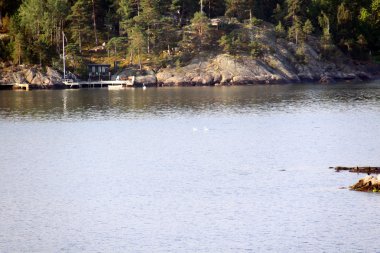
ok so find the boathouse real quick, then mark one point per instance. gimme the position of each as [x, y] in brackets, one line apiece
[99, 72]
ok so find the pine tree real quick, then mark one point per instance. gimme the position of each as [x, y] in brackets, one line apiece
[280, 30]
[326, 42]
[200, 29]
[124, 11]
[80, 23]
[308, 27]
[240, 9]
[295, 13]
[278, 13]
[136, 43]
[149, 18]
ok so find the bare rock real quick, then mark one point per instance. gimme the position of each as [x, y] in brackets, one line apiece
[30, 74]
[163, 76]
[53, 76]
[148, 80]
[38, 79]
[368, 183]
[18, 77]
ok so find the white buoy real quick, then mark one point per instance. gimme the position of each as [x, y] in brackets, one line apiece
[205, 129]
[144, 87]
[195, 129]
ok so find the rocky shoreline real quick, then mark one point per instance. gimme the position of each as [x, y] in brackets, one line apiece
[279, 61]
[225, 70]
[36, 77]
[219, 70]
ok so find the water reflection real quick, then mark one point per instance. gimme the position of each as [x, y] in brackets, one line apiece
[257, 180]
[175, 102]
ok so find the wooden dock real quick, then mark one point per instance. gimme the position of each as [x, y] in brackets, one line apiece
[75, 85]
[101, 84]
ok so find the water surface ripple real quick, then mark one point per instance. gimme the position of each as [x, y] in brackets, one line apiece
[217, 169]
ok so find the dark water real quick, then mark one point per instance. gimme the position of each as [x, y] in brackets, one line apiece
[223, 169]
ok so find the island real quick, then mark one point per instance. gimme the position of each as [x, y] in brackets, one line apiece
[187, 43]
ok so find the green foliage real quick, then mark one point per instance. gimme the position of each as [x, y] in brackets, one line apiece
[295, 32]
[308, 28]
[256, 22]
[137, 43]
[163, 25]
[239, 42]
[278, 13]
[301, 53]
[198, 36]
[230, 44]
[280, 30]
[239, 8]
[256, 49]
[81, 23]
[117, 45]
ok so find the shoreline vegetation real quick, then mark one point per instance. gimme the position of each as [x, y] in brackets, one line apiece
[190, 42]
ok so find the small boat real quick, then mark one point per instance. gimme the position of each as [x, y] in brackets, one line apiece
[70, 83]
[116, 86]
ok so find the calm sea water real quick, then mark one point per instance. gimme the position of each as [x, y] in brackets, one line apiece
[217, 169]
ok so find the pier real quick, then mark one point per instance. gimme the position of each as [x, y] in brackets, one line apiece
[101, 84]
[73, 85]
[15, 86]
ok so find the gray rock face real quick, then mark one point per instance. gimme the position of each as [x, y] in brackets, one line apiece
[18, 77]
[30, 74]
[148, 80]
[279, 64]
[33, 76]
[53, 76]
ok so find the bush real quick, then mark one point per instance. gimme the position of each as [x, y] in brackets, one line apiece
[256, 21]
[280, 30]
[301, 54]
[257, 49]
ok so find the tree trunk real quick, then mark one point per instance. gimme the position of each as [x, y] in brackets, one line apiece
[19, 53]
[131, 58]
[209, 8]
[80, 42]
[139, 59]
[94, 20]
[148, 40]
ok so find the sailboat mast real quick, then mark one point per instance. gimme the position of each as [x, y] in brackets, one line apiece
[64, 60]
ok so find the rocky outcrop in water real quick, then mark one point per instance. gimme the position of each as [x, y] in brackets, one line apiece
[368, 183]
[368, 170]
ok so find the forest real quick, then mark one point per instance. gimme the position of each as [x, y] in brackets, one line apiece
[32, 31]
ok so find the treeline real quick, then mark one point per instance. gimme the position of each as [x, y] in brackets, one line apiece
[150, 27]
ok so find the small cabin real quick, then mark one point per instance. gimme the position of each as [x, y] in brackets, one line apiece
[99, 71]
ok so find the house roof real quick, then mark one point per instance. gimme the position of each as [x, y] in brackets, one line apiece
[103, 65]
